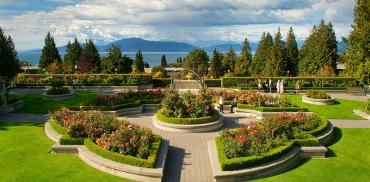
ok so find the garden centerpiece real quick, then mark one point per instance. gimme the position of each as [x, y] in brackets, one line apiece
[187, 112]
[268, 146]
[105, 138]
[123, 103]
[317, 97]
[58, 91]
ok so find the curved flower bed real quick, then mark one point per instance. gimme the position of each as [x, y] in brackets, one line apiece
[122, 100]
[115, 140]
[187, 121]
[267, 140]
[57, 91]
[317, 97]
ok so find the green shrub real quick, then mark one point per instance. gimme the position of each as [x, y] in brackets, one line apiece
[127, 159]
[366, 107]
[56, 127]
[161, 82]
[321, 128]
[317, 94]
[187, 121]
[273, 109]
[66, 140]
[213, 82]
[252, 82]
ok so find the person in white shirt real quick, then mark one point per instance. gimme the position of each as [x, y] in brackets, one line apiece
[278, 87]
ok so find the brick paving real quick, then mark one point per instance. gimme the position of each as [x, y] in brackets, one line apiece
[188, 158]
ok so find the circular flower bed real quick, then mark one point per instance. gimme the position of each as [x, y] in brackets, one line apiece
[267, 139]
[105, 134]
[187, 112]
[317, 97]
[57, 91]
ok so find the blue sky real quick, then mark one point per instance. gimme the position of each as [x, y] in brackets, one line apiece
[192, 21]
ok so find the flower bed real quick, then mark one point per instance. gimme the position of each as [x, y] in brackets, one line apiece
[106, 136]
[317, 97]
[57, 91]
[187, 121]
[122, 100]
[267, 140]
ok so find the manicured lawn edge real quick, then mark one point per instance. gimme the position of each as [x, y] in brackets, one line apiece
[187, 121]
[56, 127]
[126, 159]
[321, 128]
[273, 109]
[137, 103]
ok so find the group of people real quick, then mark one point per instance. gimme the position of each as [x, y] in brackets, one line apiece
[267, 86]
[221, 102]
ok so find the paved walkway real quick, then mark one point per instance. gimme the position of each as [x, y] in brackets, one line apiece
[188, 158]
[24, 118]
[350, 123]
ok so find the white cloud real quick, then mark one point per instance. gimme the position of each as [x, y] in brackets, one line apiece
[183, 20]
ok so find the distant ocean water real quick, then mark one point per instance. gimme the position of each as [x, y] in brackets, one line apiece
[152, 58]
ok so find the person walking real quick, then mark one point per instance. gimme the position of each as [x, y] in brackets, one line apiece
[233, 104]
[297, 87]
[282, 86]
[221, 102]
[270, 85]
[73, 83]
[259, 85]
[278, 87]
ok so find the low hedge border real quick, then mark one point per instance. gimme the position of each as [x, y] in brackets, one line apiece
[126, 159]
[273, 109]
[67, 140]
[56, 127]
[244, 162]
[321, 128]
[137, 103]
[187, 121]
[165, 82]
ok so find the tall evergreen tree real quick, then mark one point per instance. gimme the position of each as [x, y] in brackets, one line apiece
[263, 53]
[276, 65]
[112, 61]
[291, 53]
[357, 57]
[49, 53]
[139, 63]
[216, 64]
[197, 61]
[89, 60]
[228, 62]
[319, 50]
[243, 61]
[9, 62]
[163, 61]
[72, 55]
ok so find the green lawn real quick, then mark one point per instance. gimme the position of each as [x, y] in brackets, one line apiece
[34, 104]
[24, 156]
[342, 109]
[349, 160]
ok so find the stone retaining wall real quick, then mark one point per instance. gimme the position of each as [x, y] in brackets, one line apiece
[362, 114]
[317, 101]
[58, 97]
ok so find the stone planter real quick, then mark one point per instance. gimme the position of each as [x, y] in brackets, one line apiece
[274, 167]
[112, 167]
[193, 128]
[308, 100]
[58, 97]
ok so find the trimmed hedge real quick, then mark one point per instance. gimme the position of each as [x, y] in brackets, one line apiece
[321, 128]
[84, 79]
[126, 159]
[187, 121]
[161, 82]
[67, 140]
[273, 109]
[56, 127]
[137, 103]
[244, 162]
[213, 83]
[252, 82]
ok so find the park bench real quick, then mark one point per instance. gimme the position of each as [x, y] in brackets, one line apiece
[355, 90]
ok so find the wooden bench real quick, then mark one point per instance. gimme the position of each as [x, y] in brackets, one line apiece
[355, 90]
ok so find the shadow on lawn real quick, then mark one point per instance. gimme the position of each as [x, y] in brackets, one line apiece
[337, 136]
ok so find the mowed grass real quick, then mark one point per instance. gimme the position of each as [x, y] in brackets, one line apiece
[349, 160]
[25, 156]
[342, 109]
[34, 104]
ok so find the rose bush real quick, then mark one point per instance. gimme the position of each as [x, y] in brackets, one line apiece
[260, 137]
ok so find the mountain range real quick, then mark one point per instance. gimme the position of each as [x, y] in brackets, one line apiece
[134, 44]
